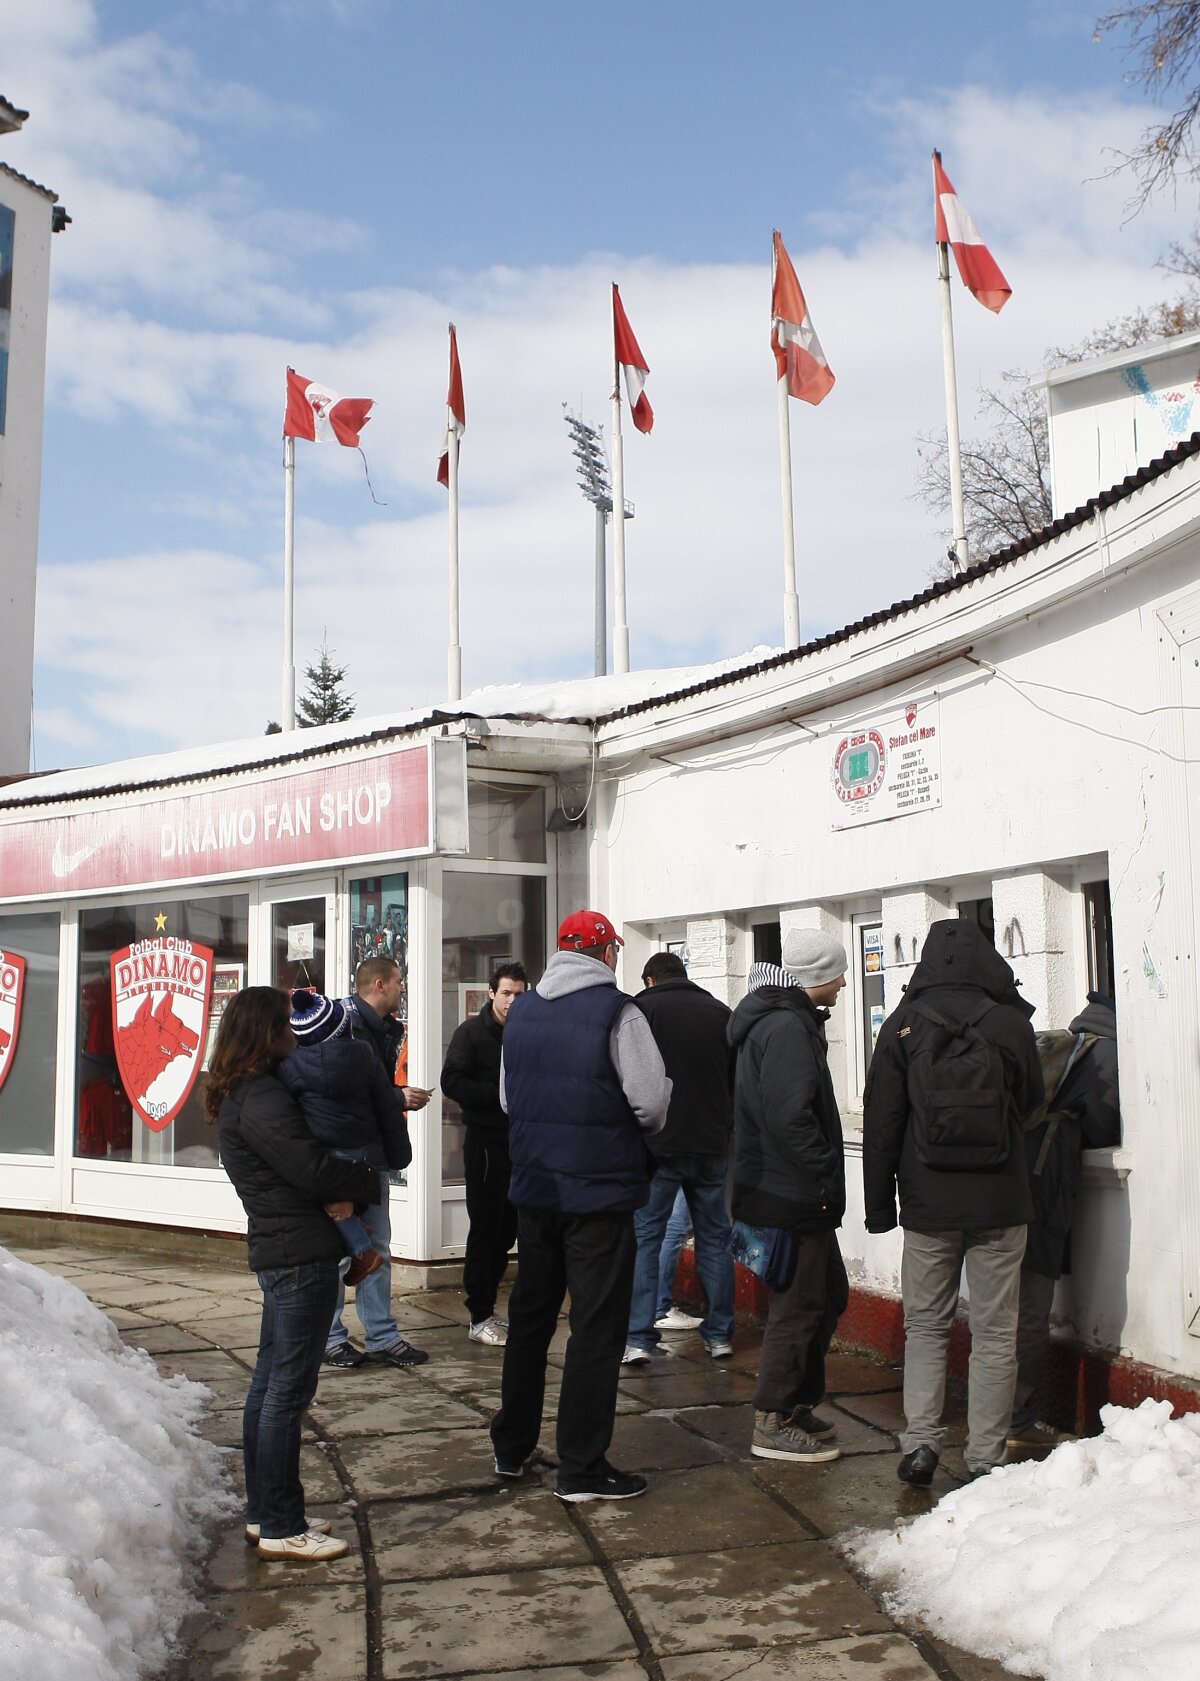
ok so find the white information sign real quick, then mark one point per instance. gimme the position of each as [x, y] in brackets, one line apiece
[890, 766]
[301, 941]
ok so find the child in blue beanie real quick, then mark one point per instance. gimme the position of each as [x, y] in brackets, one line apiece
[348, 1103]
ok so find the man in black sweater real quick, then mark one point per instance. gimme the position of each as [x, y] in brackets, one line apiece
[691, 1152]
[471, 1076]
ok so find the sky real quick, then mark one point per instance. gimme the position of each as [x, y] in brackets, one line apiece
[327, 184]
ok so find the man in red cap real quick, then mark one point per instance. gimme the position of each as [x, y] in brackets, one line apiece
[583, 1084]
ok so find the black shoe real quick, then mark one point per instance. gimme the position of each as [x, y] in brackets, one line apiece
[918, 1467]
[345, 1355]
[402, 1354]
[610, 1484]
[509, 1467]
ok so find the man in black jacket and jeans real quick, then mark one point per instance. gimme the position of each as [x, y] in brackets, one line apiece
[789, 1174]
[954, 1217]
[690, 1029]
[471, 1076]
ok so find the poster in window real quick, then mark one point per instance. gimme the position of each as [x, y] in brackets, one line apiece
[228, 980]
[471, 999]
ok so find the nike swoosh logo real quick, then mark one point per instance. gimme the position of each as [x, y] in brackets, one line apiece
[66, 863]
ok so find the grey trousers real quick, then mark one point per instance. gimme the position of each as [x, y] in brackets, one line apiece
[929, 1282]
[1033, 1346]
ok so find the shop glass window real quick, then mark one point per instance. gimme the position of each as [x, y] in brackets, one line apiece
[487, 920]
[507, 821]
[109, 1122]
[1097, 905]
[28, 1033]
[768, 943]
[980, 912]
[870, 969]
[379, 928]
[298, 951]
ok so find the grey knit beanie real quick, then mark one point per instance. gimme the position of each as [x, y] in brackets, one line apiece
[814, 958]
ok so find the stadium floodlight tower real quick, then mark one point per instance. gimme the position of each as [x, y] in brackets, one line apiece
[592, 472]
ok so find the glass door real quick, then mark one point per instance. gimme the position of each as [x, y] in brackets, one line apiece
[297, 937]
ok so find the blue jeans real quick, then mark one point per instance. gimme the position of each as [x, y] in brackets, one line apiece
[702, 1179]
[373, 1297]
[297, 1302]
[679, 1229]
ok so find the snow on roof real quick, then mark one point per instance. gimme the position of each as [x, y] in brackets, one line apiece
[571, 700]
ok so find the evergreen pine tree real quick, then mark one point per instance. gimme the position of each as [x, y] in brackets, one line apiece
[324, 701]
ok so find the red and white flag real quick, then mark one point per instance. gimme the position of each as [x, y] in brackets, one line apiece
[316, 413]
[633, 363]
[953, 226]
[456, 410]
[798, 353]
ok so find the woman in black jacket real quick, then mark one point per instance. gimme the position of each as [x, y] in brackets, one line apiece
[284, 1178]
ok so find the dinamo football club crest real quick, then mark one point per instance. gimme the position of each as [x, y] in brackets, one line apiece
[161, 990]
[12, 990]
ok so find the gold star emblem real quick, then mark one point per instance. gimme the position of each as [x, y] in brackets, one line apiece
[160, 922]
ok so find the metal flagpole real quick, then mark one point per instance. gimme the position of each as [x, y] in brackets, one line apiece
[791, 601]
[455, 654]
[601, 588]
[953, 443]
[620, 627]
[288, 720]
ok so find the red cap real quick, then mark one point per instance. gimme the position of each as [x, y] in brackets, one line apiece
[584, 930]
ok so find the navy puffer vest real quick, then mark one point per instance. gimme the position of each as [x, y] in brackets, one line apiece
[575, 1143]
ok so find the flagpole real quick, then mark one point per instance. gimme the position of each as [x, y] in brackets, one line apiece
[791, 600]
[620, 627]
[953, 442]
[288, 719]
[455, 654]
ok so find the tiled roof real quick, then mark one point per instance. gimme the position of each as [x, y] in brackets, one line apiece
[945, 586]
[16, 175]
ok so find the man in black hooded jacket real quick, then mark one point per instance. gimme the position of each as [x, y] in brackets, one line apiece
[789, 1174]
[953, 1218]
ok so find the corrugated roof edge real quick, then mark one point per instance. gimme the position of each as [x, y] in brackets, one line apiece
[439, 715]
[947, 586]
[46, 192]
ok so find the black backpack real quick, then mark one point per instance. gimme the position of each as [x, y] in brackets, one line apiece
[958, 1094]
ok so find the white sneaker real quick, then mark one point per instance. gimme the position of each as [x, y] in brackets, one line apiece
[493, 1332]
[635, 1356]
[720, 1350]
[675, 1319]
[316, 1526]
[309, 1548]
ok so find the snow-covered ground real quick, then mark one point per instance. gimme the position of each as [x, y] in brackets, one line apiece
[1083, 1567]
[105, 1490]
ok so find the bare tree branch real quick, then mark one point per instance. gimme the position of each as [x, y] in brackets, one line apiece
[1164, 38]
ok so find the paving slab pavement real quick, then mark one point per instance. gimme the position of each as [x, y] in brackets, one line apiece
[728, 1566]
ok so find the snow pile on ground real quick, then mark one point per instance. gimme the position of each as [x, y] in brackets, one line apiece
[1082, 1566]
[105, 1489]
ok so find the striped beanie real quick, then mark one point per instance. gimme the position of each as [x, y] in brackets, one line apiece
[315, 1017]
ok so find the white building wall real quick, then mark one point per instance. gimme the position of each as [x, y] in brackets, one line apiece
[21, 465]
[1050, 766]
[1113, 415]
